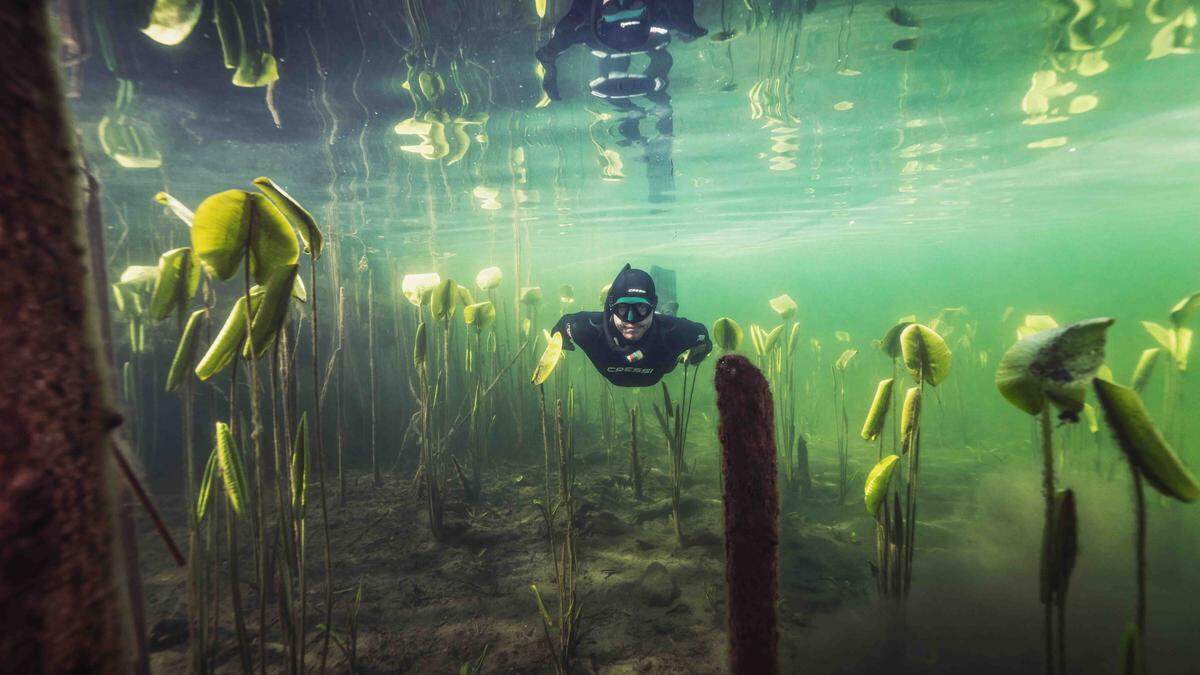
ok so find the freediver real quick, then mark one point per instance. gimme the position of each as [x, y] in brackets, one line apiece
[629, 343]
[615, 31]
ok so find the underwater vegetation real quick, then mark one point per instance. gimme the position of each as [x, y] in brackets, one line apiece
[341, 383]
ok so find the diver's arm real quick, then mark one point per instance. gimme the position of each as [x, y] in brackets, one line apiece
[564, 327]
[692, 338]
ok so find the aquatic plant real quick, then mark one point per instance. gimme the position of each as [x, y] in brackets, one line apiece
[843, 421]
[727, 334]
[1150, 459]
[877, 414]
[927, 360]
[1052, 367]
[674, 419]
[1176, 340]
[751, 515]
[889, 526]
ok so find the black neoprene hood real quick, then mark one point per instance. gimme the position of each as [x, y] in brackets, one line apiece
[631, 283]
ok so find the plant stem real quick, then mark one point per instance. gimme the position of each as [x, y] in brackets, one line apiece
[1140, 506]
[320, 441]
[1048, 494]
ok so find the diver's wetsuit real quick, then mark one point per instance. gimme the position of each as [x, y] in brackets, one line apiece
[667, 338]
[649, 22]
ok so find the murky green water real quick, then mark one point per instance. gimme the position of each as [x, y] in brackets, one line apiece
[1007, 159]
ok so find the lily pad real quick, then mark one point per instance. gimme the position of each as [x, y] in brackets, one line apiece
[480, 315]
[925, 353]
[890, 344]
[228, 223]
[272, 310]
[727, 334]
[442, 300]
[176, 283]
[171, 21]
[185, 353]
[877, 415]
[784, 306]
[549, 360]
[418, 287]
[878, 481]
[300, 218]
[1054, 365]
[232, 473]
[489, 278]
[1142, 443]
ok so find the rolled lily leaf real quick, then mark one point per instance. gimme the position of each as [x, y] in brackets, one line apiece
[727, 334]
[176, 283]
[300, 465]
[464, 295]
[234, 477]
[1035, 323]
[890, 344]
[182, 212]
[531, 295]
[604, 294]
[300, 218]
[299, 291]
[842, 336]
[479, 316]
[925, 353]
[548, 361]
[1089, 414]
[229, 223]
[877, 415]
[417, 287]
[1063, 546]
[171, 21]
[758, 339]
[878, 481]
[185, 354]
[421, 346]
[792, 339]
[489, 278]
[771, 339]
[1142, 443]
[784, 306]
[1144, 369]
[1054, 365]
[442, 300]
[139, 277]
[225, 346]
[272, 311]
[204, 495]
[1184, 309]
[843, 361]
[910, 416]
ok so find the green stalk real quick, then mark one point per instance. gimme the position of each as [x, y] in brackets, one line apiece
[236, 593]
[1048, 493]
[320, 441]
[255, 431]
[1140, 540]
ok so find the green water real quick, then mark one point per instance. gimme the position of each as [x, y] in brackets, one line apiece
[1025, 158]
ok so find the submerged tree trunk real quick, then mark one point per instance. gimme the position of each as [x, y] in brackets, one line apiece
[58, 587]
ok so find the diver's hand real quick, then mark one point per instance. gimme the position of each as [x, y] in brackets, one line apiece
[550, 74]
[550, 84]
[692, 32]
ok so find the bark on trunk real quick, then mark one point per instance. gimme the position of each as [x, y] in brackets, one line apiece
[60, 601]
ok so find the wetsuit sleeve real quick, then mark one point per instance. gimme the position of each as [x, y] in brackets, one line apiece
[565, 327]
[693, 338]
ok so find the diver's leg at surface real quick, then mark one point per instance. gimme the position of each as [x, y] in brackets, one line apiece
[660, 164]
[574, 28]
